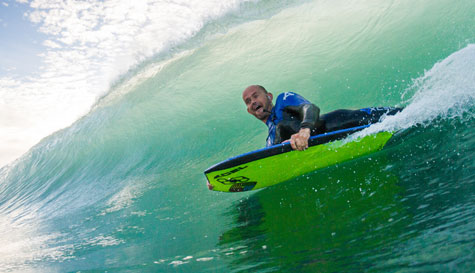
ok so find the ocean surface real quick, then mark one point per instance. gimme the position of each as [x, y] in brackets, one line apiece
[122, 189]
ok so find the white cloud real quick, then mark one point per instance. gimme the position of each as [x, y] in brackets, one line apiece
[51, 44]
[10, 68]
[89, 44]
[7, 82]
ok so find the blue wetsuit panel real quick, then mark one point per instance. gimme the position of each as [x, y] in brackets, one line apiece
[283, 100]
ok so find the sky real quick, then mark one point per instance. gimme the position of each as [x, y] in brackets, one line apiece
[37, 94]
[59, 56]
[20, 42]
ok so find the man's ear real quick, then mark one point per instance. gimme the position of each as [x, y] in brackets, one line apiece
[270, 96]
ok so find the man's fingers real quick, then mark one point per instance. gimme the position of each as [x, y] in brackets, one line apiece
[299, 142]
[292, 143]
[303, 145]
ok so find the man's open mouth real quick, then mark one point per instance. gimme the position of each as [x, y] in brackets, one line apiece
[258, 107]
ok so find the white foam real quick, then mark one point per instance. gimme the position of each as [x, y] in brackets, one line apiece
[22, 244]
[104, 241]
[146, 73]
[447, 90]
[204, 259]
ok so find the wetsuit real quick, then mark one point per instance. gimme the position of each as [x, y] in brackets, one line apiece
[292, 112]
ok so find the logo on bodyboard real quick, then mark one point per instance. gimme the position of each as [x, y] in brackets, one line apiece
[233, 180]
[242, 186]
[230, 172]
[238, 183]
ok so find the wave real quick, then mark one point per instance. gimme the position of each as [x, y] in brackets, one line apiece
[92, 47]
[123, 187]
[445, 91]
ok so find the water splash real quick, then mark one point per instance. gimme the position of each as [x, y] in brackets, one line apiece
[447, 90]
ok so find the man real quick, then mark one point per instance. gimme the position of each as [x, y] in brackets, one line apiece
[295, 119]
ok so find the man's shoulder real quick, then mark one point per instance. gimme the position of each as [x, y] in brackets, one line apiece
[286, 95]
[290, 98]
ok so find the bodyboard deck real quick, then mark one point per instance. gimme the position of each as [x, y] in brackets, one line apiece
[275, 164]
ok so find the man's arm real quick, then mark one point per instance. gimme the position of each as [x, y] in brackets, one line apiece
[309, 114]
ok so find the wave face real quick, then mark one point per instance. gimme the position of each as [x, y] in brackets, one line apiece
[122, 189]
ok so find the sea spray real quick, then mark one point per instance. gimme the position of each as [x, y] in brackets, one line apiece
[446, 91]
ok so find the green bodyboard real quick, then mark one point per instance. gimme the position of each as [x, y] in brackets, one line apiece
[243, 173]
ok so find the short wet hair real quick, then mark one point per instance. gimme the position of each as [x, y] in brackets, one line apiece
[262, 88]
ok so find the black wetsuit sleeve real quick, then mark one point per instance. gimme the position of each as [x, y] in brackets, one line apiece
[308, 114]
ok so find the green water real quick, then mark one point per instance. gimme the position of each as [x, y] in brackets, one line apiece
[123, 190]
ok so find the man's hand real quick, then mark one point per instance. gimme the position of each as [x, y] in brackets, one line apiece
[299, 141]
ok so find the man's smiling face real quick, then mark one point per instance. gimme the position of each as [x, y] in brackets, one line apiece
[258, 102]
